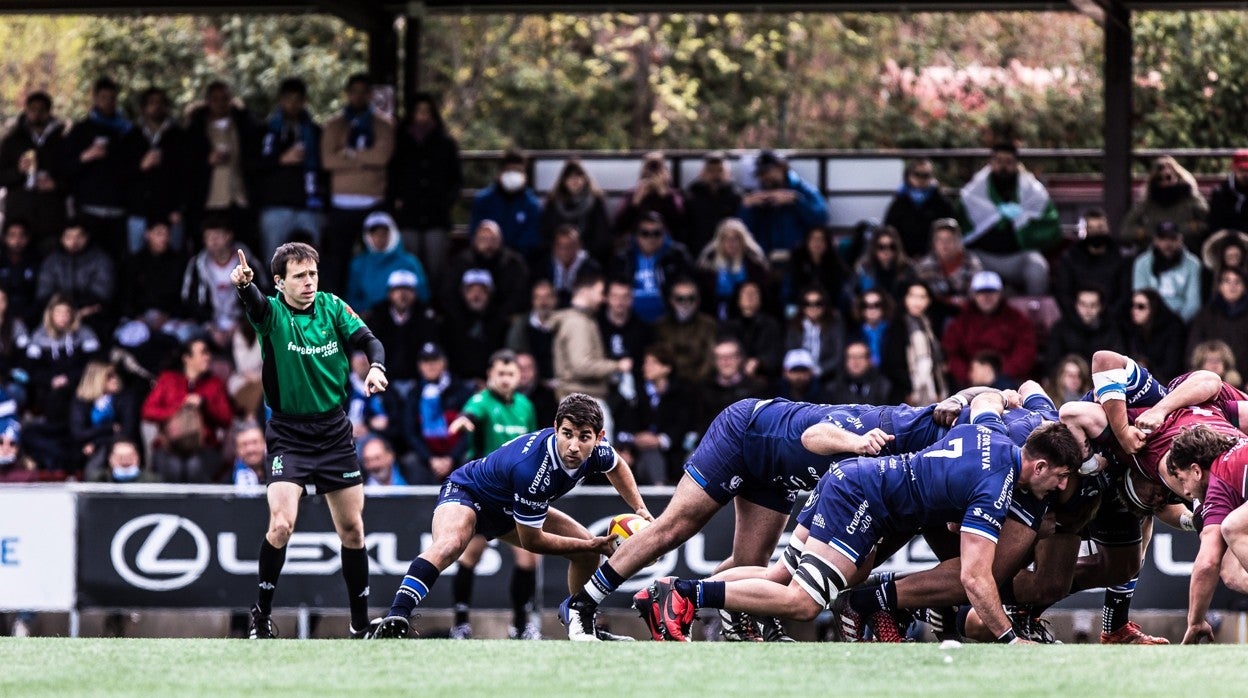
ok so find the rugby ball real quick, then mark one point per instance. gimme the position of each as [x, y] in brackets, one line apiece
[625, 526]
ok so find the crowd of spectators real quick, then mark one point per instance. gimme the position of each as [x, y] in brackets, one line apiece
[124, 356]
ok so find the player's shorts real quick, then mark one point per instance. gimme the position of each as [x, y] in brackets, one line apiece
[1027, 509]
[491, 521]
[718, 463]
[838, 513]
[1116, 524]
[315, 452]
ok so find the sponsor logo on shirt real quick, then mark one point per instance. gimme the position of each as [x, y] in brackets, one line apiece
[528, 502]
[980, 513]
[321, 351]
[818, 521]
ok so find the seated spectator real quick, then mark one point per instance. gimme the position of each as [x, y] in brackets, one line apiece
[535, 334]
[429, 410]
[985, 369]
[82, 273]
[15, 466]
[475, 328]
[402, 325]
[624, 334]
[536, 390]
[1225, 248]
[988, 323]
[1095, 256]
[191, 406]
[815, 263]
[96, 165]
[650, 263]
[1071, 380]
[1011, 221]
[1172, 195]
[784, 207]
[19, 269]
[884, 266]
[947, 270]
[426, 178]
[55, 356]
[729, 381]
[512, 205]
[144, 345]
[1214, 355]
[859, 382]
[729, 260]
[366, 411]
[567, 259]
[13, 340]
[1226, 203]
[121, 463]
[508, 269]
[875, 324]
[688, 332]
[925, 359]
[660, 423]
[156, 160]
[292, 189]
[1170, 269]
[383, 255]
[653, 192]
[249, 455]
[577, 202]
[710, 198]
[246, 381]
[379, 463]
[208, 295]
[818, 328]
[758, 332]
[161, 266]
[1225, 316]
[1154, 335]
[798, 383]
[918, 204]
[1085, 332]
[32, 169]
[101, 413]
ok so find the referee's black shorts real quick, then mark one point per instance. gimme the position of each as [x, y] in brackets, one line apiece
[314, 451]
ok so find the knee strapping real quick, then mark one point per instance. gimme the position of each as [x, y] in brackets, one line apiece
[820, 579]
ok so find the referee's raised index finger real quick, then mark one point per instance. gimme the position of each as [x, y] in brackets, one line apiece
[242, 260]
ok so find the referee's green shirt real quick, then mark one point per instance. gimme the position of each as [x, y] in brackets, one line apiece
[498, 422]
[306, 360]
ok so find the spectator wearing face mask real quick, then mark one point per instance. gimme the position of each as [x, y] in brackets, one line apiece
[124, 465]
[15, 466]
[511, 203]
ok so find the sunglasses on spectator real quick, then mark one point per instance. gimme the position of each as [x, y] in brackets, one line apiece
[684, 299]
[921, 175]
[650, 232]
[890, 247]
[872, 305]
[813, 303]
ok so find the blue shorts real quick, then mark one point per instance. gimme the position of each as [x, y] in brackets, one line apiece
[839, 513]
[1027, 509]
[491, 522]
[718, 463]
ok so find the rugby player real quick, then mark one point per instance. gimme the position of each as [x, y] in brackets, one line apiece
[306, 337]
[507, 495]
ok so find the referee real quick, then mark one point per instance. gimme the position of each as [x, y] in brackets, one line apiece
[306, 338]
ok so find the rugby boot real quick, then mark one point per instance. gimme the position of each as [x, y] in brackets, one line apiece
[737, 627]
[393, 628]
[608, 636]
[853, 625]
[645, 604]
[1131, 634]
[578, 618]
[676, 611]
[262, 627]
[773, 630]
[885, 628]
[367, 633]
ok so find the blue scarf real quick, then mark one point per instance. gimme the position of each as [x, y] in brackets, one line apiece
[102, 411]
[875, 340]
[312, 155]
[432, 419]
[361, 122]
[919, 195]
[727, 281]
[117, 123]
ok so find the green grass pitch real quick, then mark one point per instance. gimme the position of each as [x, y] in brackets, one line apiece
[132, 667]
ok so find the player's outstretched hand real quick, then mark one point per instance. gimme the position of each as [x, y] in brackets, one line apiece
[1132, 440]
[872, 442]
[241, 274]
[462, 423]
[947, 412]
[1198, 633]
[376, 381]
[603, 545]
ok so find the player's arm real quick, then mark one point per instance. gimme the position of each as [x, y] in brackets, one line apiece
[1199, 387]
[254, 303]
[827, 439]
[362, 339]
[1204, 581]
[981, 589]
[949, 409]
[536, 540]
[621, 478]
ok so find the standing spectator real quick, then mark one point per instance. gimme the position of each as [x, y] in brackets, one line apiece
[784, 207]
[567, 258]
[728, 381]
[818, 329]
[190, 405]
[732, 258]
[1172, 195]
[82, 273]
[249, 455]
[1171, 269]
[402, 324]
[860, 382]
[1097, 256]
[208, 295]
[356, 147]
[710, 198]
[948, 269]
[1085, 332]
[988, 323]
[291, 184]
[1214, 355]
[511, 203]
[1154, 335]
[161, 266]
[659, 423]
[688, 332]
[577, 201]
[535, 333]
[425, 181]
[222, 143]
[815, 263]
[101, 413]
[383, 255]
[155, 152]
[758, 332]
[509, 270]
[653, 192]
[1226, 203]
[918, 204]
[32, 170]
[1011, 220]
[379, 463]
[798, 382]
[96, 166]
[624, 334]
[429, 410]
[651, 262]
[581, 362]
[925, 359]
[875, 325]
[19, 268]
[1225, 316]
[475, 328]
[883, 266]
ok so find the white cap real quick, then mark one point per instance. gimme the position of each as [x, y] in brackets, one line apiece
[985, 281]
[402, 278]
[478, 276]
[799, 358]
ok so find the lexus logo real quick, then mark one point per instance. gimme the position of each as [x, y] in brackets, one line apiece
[151, 571]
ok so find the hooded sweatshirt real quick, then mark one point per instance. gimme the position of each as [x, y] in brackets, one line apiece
[371, 269]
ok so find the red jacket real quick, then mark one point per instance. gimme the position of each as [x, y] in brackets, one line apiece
[170, 392]
[1007, 332]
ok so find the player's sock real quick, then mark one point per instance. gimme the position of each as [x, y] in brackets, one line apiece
[523, 586]
[1117, 609]
[461, 592]
[271, 561]
[960, 623]
[702, 593]
[355, 572]
[1006, 591]
[878, 597]
[421, 575]
[599, 586]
